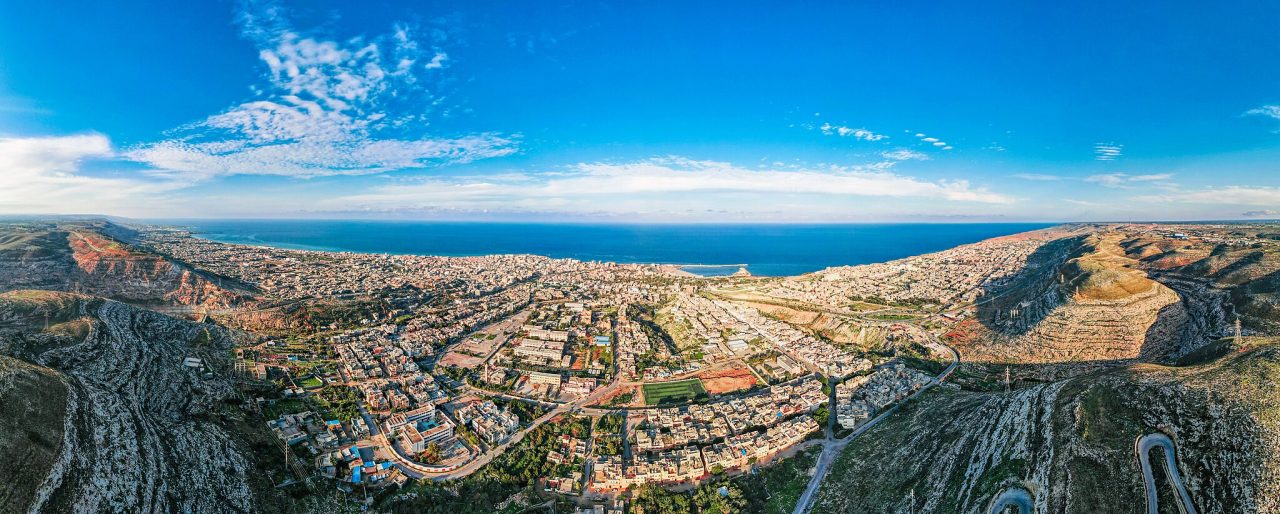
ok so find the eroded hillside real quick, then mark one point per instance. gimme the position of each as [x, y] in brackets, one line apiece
[140, 432]
[1097, 304]
[1071, 443]
[81, 257]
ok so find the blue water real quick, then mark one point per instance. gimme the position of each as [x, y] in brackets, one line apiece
[767, 249]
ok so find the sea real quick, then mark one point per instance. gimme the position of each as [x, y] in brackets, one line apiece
[703, 249]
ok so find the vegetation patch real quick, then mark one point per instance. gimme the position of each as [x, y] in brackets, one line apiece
[662, 393]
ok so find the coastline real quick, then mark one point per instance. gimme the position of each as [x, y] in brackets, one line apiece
[701, 250]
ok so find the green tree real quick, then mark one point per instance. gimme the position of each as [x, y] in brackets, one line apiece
[432, 454]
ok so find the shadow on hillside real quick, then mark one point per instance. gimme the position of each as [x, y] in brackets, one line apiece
[1173, 333]
[1250, 300]
[1250, 259]
[1017, 307]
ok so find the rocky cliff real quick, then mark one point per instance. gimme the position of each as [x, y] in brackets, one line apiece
[138, 431]
[1096, 305]
[1071, 443]
[80, 257]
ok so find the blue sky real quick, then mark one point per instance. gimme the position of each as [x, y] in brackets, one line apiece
[644, 111]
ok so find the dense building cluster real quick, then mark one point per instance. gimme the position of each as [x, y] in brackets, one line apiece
[450, 359]
[860, 398]
[954, 275]
[694, 462]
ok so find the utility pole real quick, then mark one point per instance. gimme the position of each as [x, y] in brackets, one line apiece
[913, 501]
[1237, 339]
[1008, 384]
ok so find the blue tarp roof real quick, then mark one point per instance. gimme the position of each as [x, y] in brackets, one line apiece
[355, 476]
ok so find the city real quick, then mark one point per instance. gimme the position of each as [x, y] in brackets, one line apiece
[433, 377]
[606, 257]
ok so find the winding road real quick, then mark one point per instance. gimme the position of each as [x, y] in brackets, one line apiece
[1144, 445]
[1012, 497]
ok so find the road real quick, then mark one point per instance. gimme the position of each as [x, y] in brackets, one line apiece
[1144, 445]
[833, 447]
[407, 466]
[1012, 497]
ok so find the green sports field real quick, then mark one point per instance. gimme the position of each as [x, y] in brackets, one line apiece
[673, 392]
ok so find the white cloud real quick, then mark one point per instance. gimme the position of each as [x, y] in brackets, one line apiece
[1122, 180]
[44, 175]
[329, 108]
[937, 143]
[1228, 195]
[1082, 203]
[856, 133]
[1265, 213]
[697, 185]
[1272, 111]
[437, 61]
[308, 158]
[1037, 176]
[903, 154]
[1107, 151]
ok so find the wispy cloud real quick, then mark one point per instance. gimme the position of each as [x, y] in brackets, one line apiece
[1228, 195]
[1107, 151]
[1265, 213]
[933, 141]
[19, 105]
[328, 108]
[1037, 176]
[1122, 180]
[1272, 111]
[1082, 203]
[856, 133]
[903, 154]
[45, 175]
[698, 185]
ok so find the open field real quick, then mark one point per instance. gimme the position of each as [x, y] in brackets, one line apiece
[671, 392]
[470, 352]
[727, 380]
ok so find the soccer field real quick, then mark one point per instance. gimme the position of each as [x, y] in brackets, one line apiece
[671, 392]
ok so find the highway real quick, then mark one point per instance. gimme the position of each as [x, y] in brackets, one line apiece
[1144, 445]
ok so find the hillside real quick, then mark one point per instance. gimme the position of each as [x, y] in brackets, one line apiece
[81, 257]
[1245, 275]
[1095, 305]
[32, 407]
[114, 420]
[1071, 443]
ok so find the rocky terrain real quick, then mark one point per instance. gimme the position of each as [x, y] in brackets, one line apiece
[1071, 443]
[82, 257]
[136, 431]
[32, 406]
[1111, 332]
[1129, 332]
[1101, 302]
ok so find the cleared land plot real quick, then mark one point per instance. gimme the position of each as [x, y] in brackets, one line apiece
[460, 360]
[673, 392]
[727, 380]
